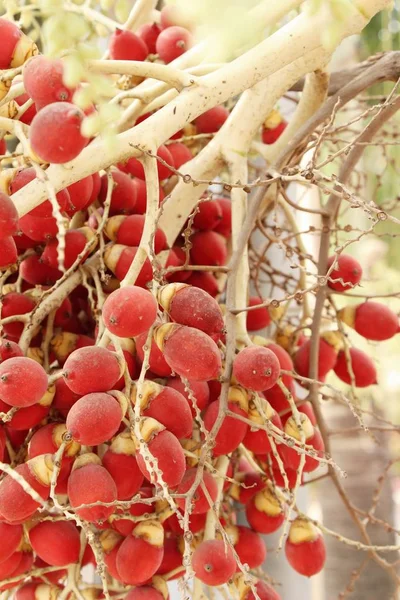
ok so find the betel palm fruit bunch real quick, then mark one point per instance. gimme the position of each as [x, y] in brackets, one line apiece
[145, 407]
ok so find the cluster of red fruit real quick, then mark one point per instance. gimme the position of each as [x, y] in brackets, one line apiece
[89, 415]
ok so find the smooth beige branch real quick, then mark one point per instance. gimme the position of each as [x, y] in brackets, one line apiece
[174, 77]
[12, 126]
[140, 13]
[146, 247]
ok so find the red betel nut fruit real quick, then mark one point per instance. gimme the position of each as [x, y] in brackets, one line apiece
[23, 382]
[55, 133]
[16, 47]
[57, 543]
[10, 566]
[125, 45]
[157, 591]
[120, 461]
[16, 504]
[172, 559]
[224, 227]
[118, 259]
[94, 419]
[213, 562]
[8, 253]
[265, 511]
[208, 248]
[11, 537]
[195, 392]
[180, 154]
[21, 177]
[312, 437]
[258, 318]
[165, 404]
[80, 194]
[208, 215]
[191, 306]
[134, 167]
[75, 244]
[129, 311]
[273, 127]
[249, 545]
[141, 553]
[257, 440]
[372, 320]
[264, 592]
[92, 369]
[123, 195]
[232, 430]
[8, 217]
[305, 548]
[329, 346]
[43, 81]
[157, 362]
[201, 358]
[47, 440]
[9, 349]
[163, 446]
[128, 230]
[362, 366]
[173, 42]
[211, 120]
[149, 33]
[256, 368]
[89, 483]
[346, 273]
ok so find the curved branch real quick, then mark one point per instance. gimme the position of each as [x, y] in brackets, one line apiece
[339, 79]
[174, 77]
[386, 69]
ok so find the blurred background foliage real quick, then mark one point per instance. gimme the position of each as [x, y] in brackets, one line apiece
[379, 253]
[383, 35]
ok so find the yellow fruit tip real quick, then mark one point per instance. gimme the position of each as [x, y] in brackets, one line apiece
[302, 531]
[292, 429]
[151, 531]
[86, 459]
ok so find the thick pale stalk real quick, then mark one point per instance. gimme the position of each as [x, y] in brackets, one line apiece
[146, 248]
[239, 171]
[313, 96]
[235, 137]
